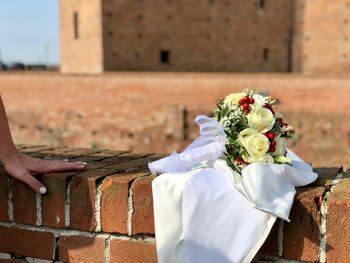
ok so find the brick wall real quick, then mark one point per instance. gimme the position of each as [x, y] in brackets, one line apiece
[105, 214]
[243, 35]
[309, 36]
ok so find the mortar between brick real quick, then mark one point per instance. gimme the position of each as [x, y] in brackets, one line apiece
[39, 218]
[10, 199]
[107, 250]
[5, 256]
[324, 213]
[67, 204]
[36, 260]
[280, 237]
[74, 232]
[130, 207]
[56, 252]
[98, 226]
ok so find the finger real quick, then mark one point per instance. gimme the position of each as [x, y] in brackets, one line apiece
[44, 166]
[35, 184]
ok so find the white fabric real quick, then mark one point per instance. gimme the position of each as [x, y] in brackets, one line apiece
[209, 146]
[206, 212]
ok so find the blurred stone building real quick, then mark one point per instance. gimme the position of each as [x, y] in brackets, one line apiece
[309, 36]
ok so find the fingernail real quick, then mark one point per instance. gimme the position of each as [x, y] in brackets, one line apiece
[42, 190]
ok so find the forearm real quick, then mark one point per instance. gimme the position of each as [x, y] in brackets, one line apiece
[7, 147]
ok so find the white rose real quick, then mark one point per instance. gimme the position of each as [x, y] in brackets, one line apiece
[261, 119]
[234, 98]
[259, 100]
[281, 144]
[256, 145]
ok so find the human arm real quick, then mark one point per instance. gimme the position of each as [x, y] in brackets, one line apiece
[23, 167]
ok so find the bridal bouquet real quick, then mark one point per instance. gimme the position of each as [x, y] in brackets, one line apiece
[202, 186]
[254, 131]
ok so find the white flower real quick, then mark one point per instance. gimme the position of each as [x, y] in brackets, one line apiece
[261, 119]
[259, 100]
[234, 98]
[256, 145]
[281, 144]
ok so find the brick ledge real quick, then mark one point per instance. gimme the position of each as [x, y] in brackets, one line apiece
[106, 213]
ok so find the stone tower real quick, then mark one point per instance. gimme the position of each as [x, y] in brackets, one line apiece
[311, 36]
[175, 35]
[321, 39]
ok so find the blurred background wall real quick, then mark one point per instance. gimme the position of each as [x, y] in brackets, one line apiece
[132, 75]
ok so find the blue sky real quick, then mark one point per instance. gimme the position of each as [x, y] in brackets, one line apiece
[27, 27]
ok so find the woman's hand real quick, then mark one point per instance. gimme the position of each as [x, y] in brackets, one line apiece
[24, 168]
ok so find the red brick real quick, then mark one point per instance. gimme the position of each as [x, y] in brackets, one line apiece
[143, 218]
[325, 176]
[4, 191]
[27, 146]
[81, 249]
[114, 202]
[65, 153]
[270, 247]
[127, 251]
[95, 165]
[72, 153]
[338, 223]
[27, 243]
[125, 157]
[132, 164]
[302, 234]
[83, 195]
[34, 149]
[24, 203]
[13, 261]
[104, 154]
[53, 202]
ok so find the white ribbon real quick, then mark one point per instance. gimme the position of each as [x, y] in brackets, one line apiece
[209, 146]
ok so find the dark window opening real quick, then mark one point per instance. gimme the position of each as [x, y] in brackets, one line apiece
[266, 54]
[76, 25]
[164, 56]
[262, 3]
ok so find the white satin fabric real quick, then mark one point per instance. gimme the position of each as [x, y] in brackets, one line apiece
[205, 212]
